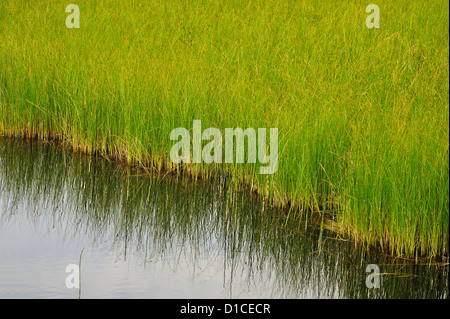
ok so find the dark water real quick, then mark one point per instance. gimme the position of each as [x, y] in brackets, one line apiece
[158, 237]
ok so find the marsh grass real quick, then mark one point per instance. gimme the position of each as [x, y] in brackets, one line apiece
[362, 113]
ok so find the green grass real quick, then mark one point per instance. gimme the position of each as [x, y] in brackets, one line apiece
[362, 114]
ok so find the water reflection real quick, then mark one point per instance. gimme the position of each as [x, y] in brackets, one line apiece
[173, 238]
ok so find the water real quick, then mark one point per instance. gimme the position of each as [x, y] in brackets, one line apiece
[162, 237]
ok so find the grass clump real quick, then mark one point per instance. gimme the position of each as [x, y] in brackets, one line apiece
[362, 114]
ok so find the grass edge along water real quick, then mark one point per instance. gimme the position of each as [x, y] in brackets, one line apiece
[362, 114]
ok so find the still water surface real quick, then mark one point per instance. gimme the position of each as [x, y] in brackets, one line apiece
[159, 237]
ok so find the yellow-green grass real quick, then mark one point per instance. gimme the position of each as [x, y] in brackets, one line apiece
[362, 114]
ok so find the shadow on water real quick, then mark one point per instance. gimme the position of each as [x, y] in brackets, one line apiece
[194, 226]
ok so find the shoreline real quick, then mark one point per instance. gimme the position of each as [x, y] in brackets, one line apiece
[286, 205]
